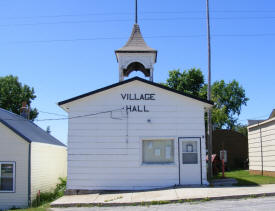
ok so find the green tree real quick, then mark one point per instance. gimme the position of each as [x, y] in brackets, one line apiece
[189, 81]
[228, 98]
[241, 129]
[13, 93]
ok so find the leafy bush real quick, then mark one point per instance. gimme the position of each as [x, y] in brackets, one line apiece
[46, 197]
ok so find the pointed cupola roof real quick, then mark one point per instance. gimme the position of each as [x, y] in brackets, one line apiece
[136, 55]
[136, 43]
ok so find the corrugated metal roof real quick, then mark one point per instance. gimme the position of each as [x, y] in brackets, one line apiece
[26, 128]
[136, 42]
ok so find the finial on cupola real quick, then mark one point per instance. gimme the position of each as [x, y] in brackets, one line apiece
[136, 12]
[136, 55]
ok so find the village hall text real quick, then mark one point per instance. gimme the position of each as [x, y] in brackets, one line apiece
[137, 97]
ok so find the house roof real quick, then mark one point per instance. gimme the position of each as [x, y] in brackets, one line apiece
[253, 123]
[136, 43]
[128, 81]
[272, 114]
[260, 122]
[26, 128]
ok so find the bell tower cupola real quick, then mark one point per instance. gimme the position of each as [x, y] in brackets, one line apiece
[136, 55]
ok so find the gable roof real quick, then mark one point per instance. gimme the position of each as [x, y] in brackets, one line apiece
[128, 81]
[254, 123]
[272, 114]
[136, 43]
[26, 128]
[261, 122]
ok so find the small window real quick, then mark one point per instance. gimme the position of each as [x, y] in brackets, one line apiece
[158, 151]
[189, 152]
[7, 176]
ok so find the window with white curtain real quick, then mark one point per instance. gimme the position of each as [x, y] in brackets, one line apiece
[7, 176]
[158, 151]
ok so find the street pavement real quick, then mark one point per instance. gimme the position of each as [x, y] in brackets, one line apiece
[249, 204]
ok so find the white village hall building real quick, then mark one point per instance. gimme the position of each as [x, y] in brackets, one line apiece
[135, 134]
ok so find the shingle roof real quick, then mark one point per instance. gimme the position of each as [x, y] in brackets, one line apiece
[26, 128]
[272, 114]
[136, 42]
[254, 121]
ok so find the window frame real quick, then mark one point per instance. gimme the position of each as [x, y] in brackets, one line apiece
[197, 152]
[159, 163]
[13, 176]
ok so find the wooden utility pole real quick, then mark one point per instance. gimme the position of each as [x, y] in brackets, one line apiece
[210, 171]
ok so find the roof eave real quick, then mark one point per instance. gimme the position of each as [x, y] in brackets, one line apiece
[16, 131]
[261, 123]
[211, 103]
[137, 51]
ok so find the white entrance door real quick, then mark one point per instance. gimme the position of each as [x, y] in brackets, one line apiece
[190, 161]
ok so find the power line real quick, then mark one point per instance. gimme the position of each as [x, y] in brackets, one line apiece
[56, 114]
[65, 22]
[130, 20]
[257, 117]
[211, 11]
[146, 12]
[65, 118]
[65, 40]
[102, 112]
[79, 116]
[147, 37]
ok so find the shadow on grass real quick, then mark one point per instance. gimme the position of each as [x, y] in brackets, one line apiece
[244, 182]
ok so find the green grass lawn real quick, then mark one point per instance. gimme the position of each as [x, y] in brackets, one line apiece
[42, 203]
[244, 178]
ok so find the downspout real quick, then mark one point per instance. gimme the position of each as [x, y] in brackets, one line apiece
[179, 157]
[261, 148]
[29, 175]
[200, 161]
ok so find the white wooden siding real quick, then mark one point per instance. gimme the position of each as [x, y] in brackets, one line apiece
[102, 154]
[266, 132]
[48, 163]
[14, 148]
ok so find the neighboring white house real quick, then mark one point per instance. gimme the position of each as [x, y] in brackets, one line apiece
[30, 160]
[135, 134]
[261, 146]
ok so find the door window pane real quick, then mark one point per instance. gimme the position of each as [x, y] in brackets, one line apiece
[189, 146]
[189, 158]
[158, 151]
[6, 176]
[189, 152]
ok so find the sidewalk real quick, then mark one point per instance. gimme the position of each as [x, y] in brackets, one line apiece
[163, 196]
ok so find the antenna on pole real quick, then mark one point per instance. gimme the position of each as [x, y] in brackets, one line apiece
[136, 19]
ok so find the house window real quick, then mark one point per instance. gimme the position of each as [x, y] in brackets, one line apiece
[189, 152]
[158, 151]
[7, 176]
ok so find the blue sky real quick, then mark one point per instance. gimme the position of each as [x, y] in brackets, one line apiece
[65, 48]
